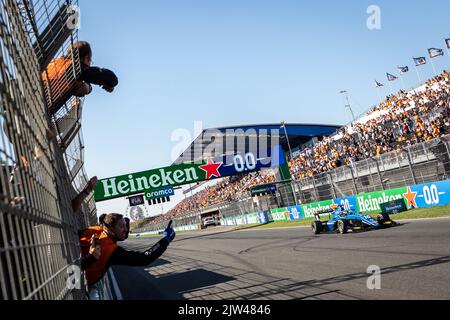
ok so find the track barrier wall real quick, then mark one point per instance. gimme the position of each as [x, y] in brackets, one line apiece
[426, 195]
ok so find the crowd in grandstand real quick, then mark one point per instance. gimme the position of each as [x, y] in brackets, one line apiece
[228, 189]
[400, 121]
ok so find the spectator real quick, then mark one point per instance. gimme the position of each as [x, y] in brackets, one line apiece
[95, 251]
[61, 83]
[114, 230]
[399, 121]
[77, 202]
[229, 189]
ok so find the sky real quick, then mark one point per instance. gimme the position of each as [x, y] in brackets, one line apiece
[228, 63]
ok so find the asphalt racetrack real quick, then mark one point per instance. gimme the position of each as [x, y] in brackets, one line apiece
[292, 263]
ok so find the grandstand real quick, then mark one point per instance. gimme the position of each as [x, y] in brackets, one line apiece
[234, 140]
[401, 141]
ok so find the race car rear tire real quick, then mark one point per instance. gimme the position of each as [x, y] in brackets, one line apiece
[317, 227]
[383, 218]
[341, 227]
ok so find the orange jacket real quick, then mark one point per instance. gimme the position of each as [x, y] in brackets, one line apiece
[98, 269]
[59, 80]
[56, 74]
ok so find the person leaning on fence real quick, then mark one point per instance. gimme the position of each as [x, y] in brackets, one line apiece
[60, 80]
[113, 230]
[77, 202]
[94, 253]
[101, 219]
[127, 223]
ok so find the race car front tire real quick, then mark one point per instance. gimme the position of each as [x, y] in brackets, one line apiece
[341, 227]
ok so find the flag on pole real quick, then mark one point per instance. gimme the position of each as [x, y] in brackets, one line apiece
[391, 77]
[447, 41]
[378, 84]
[434, 52]
[420, 61]
[403, 70]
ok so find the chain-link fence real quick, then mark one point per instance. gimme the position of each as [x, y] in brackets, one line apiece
[39, 176]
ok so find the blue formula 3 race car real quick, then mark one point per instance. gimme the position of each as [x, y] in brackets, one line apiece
[341, 221]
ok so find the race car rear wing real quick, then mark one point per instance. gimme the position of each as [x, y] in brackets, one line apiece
[322, 212]
[318, 213]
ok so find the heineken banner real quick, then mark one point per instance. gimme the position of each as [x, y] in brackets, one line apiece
[157, 179]
[419, 196]
[252, 218]
[280, 214]
[370, 202]
[240, 220]
[311, 209]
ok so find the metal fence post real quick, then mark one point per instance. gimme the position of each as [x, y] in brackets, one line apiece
[448, 155]
[316, 193]
[294, 193]
[353, 180]
[410, 165]
[379, 173]
[330, 178]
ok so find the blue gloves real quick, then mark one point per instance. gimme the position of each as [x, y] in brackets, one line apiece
[169, 234]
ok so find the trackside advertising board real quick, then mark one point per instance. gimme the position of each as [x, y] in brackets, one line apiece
[311, 209]
[430, 195]
[419, 196]
[281, 214]
[370, 202]
[187, 173]
[295, 213]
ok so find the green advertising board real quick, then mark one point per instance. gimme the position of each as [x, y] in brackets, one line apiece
[309, 210]
[147, 181]
[186, 173]
[394, 207]
[281, 214]
[370, 202]
[252, 218]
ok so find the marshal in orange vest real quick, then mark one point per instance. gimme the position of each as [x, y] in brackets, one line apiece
[58, 79]
[98, 269]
